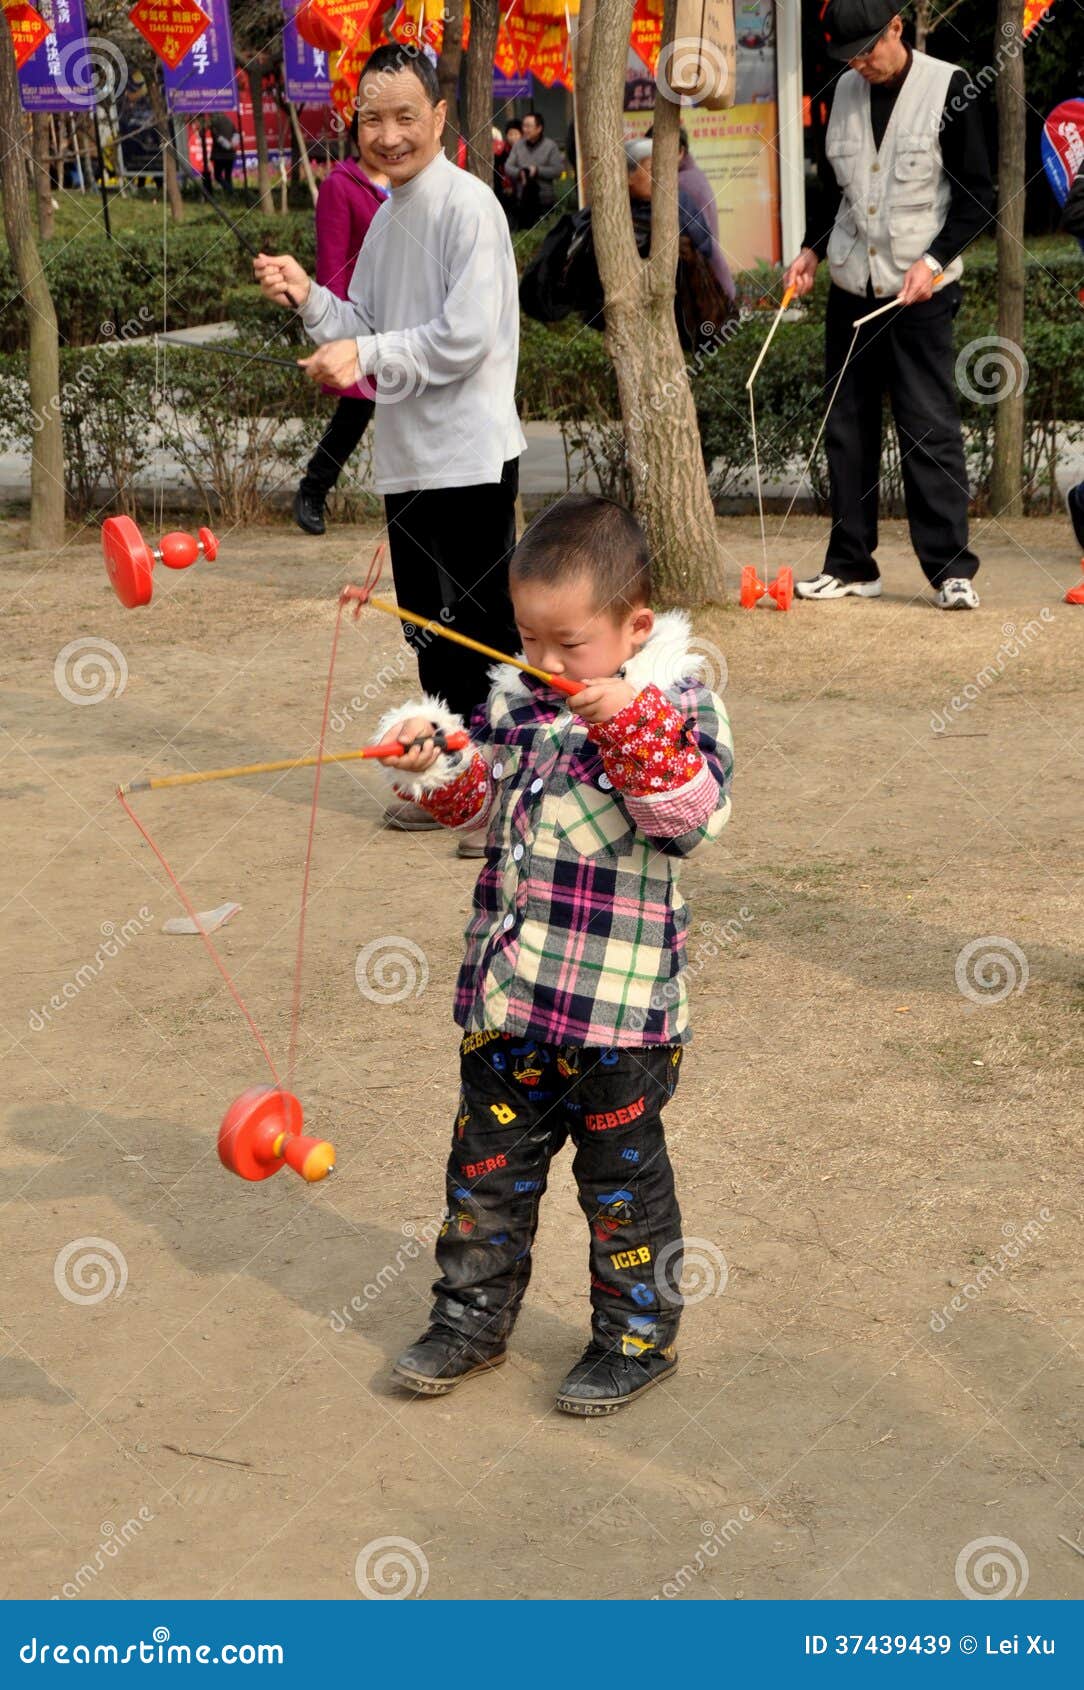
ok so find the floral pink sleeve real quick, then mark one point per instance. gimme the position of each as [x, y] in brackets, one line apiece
[465, 801]
[646, 748]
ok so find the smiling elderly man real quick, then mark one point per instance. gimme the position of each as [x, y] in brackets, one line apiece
[906, 145]
[433, 317]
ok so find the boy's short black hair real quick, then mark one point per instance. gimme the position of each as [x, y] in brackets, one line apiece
[586, 535]
[393, 57]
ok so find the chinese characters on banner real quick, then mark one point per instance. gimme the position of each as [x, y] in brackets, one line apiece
[28, 29]
[61, 77]
[204, 79]
[170, 27]
[305, 69]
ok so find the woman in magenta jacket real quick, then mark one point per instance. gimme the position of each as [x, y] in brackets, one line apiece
[346, 204]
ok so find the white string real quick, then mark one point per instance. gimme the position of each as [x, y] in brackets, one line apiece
[760, 489]
[820, 431]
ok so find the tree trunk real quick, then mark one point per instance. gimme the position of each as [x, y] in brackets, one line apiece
[266, 199]
[1007, 475]
[43, 187]
[169, 162]
[922, 23]
[47, 459]
[670, 485]
[485, 22]
[448, 66]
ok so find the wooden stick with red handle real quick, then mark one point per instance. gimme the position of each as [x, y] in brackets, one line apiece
[455, 741]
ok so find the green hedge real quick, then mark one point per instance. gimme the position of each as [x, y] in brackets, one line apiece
[96, 281]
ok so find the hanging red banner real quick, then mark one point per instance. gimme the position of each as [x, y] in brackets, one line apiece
[169, 27]
[646, 34]
[28, 30]
[1034, 14]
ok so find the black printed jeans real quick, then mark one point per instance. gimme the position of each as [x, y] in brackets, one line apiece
[520, 1101]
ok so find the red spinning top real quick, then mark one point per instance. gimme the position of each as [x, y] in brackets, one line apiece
[261, 1132]
[753, 589]
[129, 561]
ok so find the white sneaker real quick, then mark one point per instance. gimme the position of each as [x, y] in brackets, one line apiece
[957, 594]
[825, 586]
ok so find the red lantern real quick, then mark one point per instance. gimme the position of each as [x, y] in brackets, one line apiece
[314, 27]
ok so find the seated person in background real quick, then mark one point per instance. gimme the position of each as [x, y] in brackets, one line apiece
[691, 221]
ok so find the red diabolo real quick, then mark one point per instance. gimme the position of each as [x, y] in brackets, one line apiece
[129, 561]
[753, 589]
[261, 1132]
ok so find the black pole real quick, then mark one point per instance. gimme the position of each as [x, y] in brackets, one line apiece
[226, 352]
[101, 171]
[203, 145]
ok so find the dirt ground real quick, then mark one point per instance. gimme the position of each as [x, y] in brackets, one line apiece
[860, 1139]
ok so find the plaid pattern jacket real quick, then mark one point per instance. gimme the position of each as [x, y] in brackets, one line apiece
[577, 933]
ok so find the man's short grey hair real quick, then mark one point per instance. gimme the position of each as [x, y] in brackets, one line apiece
[635, 153]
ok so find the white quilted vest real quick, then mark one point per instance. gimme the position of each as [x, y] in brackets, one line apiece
[894, 201]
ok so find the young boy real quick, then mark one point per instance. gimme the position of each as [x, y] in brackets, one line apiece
[571, 995]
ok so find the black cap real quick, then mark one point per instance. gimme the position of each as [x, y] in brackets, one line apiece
[854, 26]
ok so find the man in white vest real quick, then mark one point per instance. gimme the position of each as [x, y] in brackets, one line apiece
[907, 149]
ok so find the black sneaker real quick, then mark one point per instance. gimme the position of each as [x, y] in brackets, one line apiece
[604, 1380]
[440, 1360]
[309, 512]
[1074, 501]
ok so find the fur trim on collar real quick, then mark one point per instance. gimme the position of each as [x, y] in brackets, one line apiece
[664, 659]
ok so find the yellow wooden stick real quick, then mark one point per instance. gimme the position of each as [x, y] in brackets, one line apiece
[195, 777]
[558, 682]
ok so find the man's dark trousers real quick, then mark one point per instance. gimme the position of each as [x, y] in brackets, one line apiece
[450, 548]
[909, 355]
[520, 1101]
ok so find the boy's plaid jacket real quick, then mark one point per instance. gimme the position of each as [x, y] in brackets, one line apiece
[577, 934]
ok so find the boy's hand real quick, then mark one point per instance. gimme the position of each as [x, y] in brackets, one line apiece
[420, 757]
[600, 700]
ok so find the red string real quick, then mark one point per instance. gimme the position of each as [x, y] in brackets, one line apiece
[358, 596]
[215, 958]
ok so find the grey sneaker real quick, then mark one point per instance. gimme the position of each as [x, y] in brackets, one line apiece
[472, 843]
[957, 594]
[409, 818]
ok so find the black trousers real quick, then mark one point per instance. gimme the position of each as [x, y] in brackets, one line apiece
[520, 1101]
[223, 172]
[342, 436]
[910, 356]
[449, 555]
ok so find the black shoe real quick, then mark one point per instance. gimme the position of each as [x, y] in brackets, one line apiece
[309, 511]
[440, 1360]
[1074, 500]
[604, 1380]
